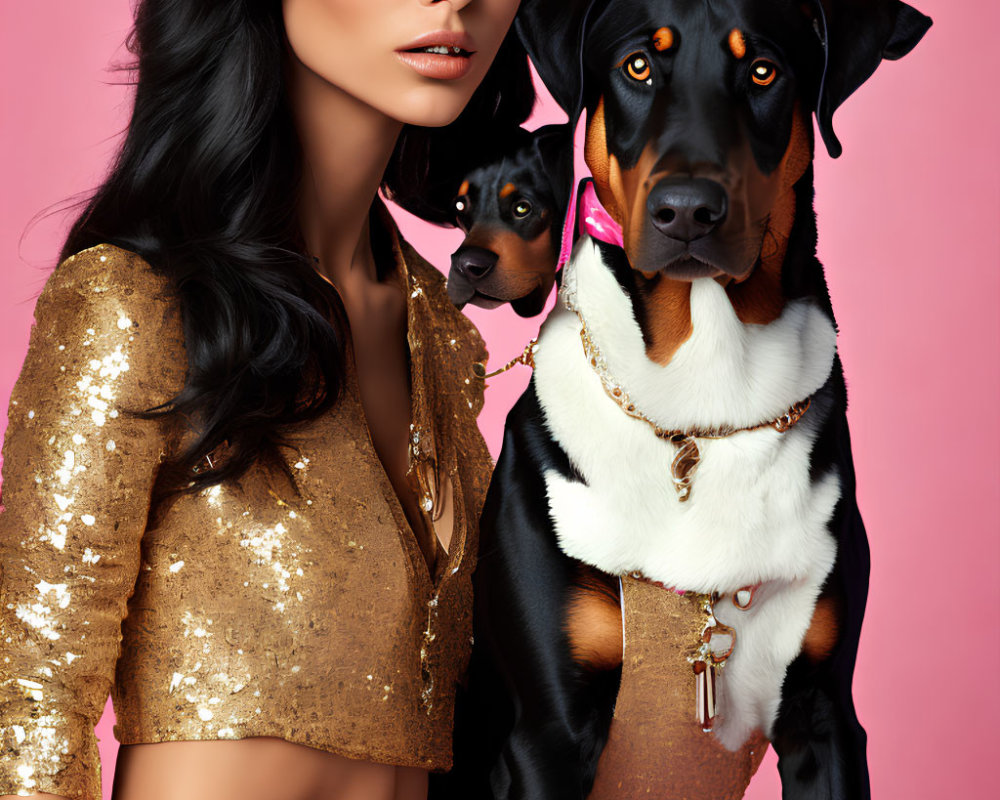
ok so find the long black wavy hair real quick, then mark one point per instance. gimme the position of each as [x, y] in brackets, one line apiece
[204, 188]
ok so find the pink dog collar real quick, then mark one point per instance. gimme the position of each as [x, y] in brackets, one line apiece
[593, 220]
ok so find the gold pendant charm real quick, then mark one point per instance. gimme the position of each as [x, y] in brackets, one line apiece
[686, 459]
[684, 465]
[717, 644]
[705, 685]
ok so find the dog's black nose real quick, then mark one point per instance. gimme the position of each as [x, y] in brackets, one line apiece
[473, 263]
[687, 208]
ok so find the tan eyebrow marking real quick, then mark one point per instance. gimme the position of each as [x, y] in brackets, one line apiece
[663, 39]
[737, 43]
[508, 189]
[464, 188]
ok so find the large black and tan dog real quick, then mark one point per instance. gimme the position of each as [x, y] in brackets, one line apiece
[512, 210]
[676, 491]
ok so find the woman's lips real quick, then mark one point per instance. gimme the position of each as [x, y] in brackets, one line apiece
[443, 55]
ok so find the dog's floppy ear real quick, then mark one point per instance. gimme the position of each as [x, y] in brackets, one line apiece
[552, 32]
[856, 35]
[554, 148]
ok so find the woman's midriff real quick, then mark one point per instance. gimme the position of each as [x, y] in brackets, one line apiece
[262, 768]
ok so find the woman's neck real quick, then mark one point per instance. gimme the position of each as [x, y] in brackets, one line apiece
[346, 146]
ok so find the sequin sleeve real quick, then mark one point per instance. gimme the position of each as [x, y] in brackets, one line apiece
[78, 472]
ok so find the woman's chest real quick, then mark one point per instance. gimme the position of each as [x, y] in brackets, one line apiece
[380, 360]
[246, 592]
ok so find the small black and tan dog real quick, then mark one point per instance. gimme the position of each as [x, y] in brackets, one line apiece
[512, 210]
[676, 490]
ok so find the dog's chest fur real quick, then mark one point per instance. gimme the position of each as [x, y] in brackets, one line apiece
[755, 514]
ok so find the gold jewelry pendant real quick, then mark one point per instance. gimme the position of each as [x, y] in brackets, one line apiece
[684, 465]
[717, 644]
[705, 684]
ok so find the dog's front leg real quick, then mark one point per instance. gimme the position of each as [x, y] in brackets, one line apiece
[819, 741]
[546, 744]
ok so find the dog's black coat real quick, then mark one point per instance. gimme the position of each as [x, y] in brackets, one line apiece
[532, 723]
[561, 718]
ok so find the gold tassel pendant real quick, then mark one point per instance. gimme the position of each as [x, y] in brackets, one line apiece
[709, 660]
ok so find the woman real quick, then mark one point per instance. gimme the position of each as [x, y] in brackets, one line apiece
[242, 470]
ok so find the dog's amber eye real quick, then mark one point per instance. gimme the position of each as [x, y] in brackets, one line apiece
[637, 67]
[522, 208]
[763, 72]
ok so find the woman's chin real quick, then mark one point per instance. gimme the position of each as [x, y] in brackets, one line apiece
[431, 103]
[430, 107]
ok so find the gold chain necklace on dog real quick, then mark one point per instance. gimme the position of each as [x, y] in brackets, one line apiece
[527, 358]
[687, 457]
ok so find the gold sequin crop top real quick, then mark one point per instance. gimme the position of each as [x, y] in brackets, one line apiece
[300, 608]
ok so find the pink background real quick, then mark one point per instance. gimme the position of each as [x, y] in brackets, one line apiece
[909, 221]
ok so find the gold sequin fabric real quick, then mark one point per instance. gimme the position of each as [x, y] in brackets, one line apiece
[656, 747]
[300, 608]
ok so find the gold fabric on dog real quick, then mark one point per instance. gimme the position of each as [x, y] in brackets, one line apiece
[656, 748]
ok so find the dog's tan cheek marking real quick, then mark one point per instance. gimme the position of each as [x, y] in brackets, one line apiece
[737, 43]
[625, 194]
[616, 190]
[507, 190]
[594, 627]
[595, 148]
[633, 187]
[521, 265]
[759, 300]
[799, 153]
[668, 325]
[542, 259]
[823, 631]
[595, 153]
[666, 303]
[668, 309]
[520, 256]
